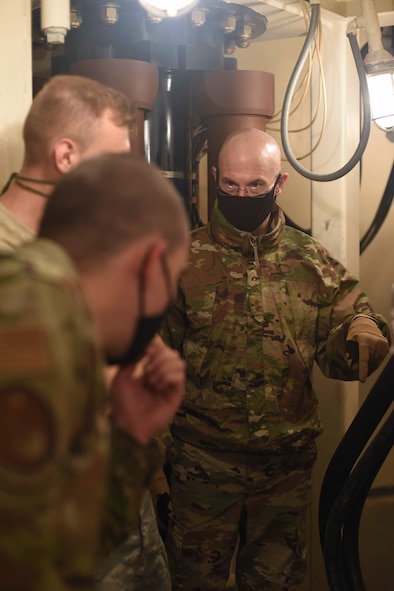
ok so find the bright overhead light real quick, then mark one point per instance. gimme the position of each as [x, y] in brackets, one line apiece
[168, 8]
[380, 78]
[379, 67]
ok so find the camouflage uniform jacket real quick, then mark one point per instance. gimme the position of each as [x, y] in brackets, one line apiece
[54, 436]
[252, 316]
[131, 464]
[12, 232]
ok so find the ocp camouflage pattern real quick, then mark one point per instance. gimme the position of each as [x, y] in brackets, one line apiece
[54, 439]
[140, 562]
[252, 316]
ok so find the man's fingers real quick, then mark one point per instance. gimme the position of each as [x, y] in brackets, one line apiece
[363, 362]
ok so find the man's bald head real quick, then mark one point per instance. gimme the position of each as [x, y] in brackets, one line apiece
[249, 166]
[250, 148]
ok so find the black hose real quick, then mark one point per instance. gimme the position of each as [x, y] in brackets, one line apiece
[353, 442]
[360, 479]
[381, 214]
[350, 541]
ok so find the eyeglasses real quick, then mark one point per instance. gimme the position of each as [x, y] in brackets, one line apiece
[254, 189]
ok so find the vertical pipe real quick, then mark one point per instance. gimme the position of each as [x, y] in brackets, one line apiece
[370, 21]
[170, 134]
[16, 74]
[55, 20]
[138, 80]
[228, 100]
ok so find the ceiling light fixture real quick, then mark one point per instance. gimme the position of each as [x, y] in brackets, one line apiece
[168, 8]
[291, 87]
[379, 66]
[376, 78]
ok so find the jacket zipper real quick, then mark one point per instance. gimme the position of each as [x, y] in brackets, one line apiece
[253, 242]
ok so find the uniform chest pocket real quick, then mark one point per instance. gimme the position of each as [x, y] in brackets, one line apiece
[214, 344]
[285, 309]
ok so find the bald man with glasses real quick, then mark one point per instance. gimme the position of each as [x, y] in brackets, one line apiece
[259, 303]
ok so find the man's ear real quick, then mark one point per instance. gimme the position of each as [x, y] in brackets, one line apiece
[66, 155]
[281, 183]
[214, 170]
[151, 260]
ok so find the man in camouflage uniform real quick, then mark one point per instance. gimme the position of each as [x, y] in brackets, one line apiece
[93, 286]
[258, 304]
[73, 118]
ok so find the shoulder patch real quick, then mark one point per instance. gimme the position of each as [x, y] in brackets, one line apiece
[26, 430]
[23, 349]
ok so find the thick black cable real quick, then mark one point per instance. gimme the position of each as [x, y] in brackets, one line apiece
[350, 541]
[361, 478]
[353, 442]
[381, 214]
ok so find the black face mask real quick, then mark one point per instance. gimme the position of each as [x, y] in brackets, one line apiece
[147, 326]
[246, 213]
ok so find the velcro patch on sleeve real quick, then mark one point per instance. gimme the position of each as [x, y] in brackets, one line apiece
[26, 430]
[23, 350]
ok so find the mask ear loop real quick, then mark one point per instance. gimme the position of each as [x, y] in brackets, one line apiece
[276, 182]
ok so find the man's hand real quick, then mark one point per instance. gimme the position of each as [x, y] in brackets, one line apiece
[366, 346]
[144, 397]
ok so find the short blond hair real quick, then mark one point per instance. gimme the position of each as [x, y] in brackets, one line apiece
[69, 106]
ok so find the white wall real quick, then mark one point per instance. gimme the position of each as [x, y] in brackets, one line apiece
[16, 85]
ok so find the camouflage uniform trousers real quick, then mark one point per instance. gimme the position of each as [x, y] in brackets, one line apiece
[259, 502]
[140, 563]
